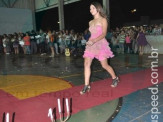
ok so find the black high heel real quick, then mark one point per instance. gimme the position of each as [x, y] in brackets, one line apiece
[115, 82]
[85, 89]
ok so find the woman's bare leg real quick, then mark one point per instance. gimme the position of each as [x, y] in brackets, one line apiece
[87, 74]
[142, 50]
[52, 51]
[17, 50]
[108, 68]
[5, 50]
[87, 70]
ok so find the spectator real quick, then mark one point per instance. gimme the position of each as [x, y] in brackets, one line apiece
[142, 41]
[157, 30]
[1, 45]
[27, 44]
[33, 42]
[128, 43]
[16, 44]
[121, 41]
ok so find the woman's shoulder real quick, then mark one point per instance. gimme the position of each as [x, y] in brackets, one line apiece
[90, 22]
[104, 21]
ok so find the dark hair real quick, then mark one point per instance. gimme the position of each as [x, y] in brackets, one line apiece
[99, 8]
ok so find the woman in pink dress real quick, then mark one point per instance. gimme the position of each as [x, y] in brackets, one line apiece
[97, 46]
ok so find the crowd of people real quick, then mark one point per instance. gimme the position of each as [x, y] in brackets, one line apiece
[122, 40]
[50, 42]
[131, 39]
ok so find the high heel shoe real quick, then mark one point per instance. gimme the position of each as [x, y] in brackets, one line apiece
[115, 82]
[85, 89]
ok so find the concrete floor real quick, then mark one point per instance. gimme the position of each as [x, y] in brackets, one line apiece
[135, 107]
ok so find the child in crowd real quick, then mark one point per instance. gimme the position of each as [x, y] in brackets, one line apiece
[128, 43]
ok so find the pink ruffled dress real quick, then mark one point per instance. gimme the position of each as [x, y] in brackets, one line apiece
[100, 50]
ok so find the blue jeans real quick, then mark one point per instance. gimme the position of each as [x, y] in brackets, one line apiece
[121, 47]
[27, 48]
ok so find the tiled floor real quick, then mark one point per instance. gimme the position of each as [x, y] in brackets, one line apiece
[136, 106]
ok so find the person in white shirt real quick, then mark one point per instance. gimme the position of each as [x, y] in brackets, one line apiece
[157, 30]
[67, 38]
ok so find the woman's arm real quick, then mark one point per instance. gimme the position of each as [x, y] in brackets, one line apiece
[104, 30]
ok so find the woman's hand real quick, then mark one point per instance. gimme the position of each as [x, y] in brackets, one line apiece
[90, 43]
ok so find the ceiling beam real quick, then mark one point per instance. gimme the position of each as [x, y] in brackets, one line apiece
[47, 2]
[9, 4]
[5, 3]
[14, 3]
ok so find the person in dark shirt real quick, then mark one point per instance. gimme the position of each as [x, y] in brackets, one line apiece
[1, 45]
[33, 42]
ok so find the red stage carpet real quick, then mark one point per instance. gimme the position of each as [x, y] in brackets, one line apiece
[36, 109]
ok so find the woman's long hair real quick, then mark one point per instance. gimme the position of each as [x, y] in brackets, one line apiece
[99, 9]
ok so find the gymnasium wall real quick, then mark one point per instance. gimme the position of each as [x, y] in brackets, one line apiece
[15, 20]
